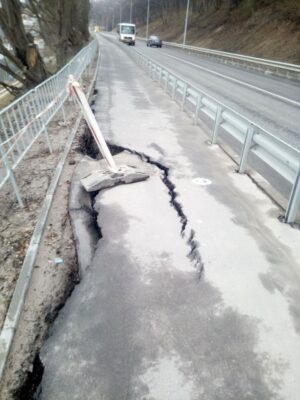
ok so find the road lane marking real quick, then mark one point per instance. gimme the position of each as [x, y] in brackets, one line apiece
[277, 96]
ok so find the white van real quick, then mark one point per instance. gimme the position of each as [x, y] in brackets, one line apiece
[127, 33]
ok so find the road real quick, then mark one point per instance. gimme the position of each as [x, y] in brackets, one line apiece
[266, 100]
[193, 290]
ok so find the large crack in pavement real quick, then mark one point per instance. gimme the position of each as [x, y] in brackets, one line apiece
[34, 384]
[189, 235]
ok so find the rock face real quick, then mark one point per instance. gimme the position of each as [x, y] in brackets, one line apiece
[102, 179]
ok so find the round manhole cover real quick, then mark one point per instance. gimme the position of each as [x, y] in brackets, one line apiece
[201, 181]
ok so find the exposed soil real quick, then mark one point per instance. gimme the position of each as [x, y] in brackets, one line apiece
[52, 282]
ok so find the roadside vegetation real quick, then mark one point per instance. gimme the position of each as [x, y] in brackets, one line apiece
[262, 28]
[38, 37]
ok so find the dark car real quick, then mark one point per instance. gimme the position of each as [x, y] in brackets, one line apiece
[154, 41]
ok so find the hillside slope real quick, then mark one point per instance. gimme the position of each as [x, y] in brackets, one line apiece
[271, 31]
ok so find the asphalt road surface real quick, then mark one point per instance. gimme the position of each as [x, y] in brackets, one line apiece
[146, 321]
[269, 101]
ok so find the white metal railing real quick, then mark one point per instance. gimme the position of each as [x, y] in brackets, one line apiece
[275, 67]
[23, 121]
[277, 154]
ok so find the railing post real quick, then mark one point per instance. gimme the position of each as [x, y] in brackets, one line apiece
[218, 121]
[160, 76]
[11, 176]
[42, 120]
[198, 106]
[174, 89]
[246, 148]
[47, 139]
[184, 94]
[155, 72]
[167, 81]
[294, 201]
[63, 113]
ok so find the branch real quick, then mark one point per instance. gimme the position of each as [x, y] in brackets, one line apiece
[15, 60]
[11, 72]
[28, 74]
[41, 11]
[10, 88]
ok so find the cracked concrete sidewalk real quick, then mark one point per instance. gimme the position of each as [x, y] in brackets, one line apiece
[143, 324]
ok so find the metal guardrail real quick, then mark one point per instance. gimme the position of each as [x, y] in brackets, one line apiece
[23, 121]
[277, 154]
[275, 67]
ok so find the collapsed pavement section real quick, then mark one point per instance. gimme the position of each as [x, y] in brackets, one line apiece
[141, 324]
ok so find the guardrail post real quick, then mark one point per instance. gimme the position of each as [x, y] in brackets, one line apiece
[167, 81]
[11, 176]
[294, 201]
[184, 94]
[160, 76]
[218, 121]
[174, 88]
[198, 106]
[246, 148]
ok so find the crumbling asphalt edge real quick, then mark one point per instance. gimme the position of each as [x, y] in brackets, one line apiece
[13, 315]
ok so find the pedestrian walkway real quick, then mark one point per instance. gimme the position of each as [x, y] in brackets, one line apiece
[147, 322]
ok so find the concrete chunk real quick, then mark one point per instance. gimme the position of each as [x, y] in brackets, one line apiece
[102, 179]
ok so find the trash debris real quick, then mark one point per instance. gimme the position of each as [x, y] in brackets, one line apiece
[58, 261]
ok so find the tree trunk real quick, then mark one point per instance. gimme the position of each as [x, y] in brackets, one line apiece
[64, 25]
[25, 54]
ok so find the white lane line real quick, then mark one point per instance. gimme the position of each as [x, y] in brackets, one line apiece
[277, 96]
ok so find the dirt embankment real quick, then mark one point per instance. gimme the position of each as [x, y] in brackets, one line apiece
[271, 31]
[55, 271]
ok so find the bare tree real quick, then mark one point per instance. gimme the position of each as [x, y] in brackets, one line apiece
[161, 8]
[18, 47]
[63, 25]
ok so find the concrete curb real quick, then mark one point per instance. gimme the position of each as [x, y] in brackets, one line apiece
[13, 315]
[82, 217]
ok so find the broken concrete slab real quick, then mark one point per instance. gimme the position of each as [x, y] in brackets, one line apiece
[82, 214]
[103, 179]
